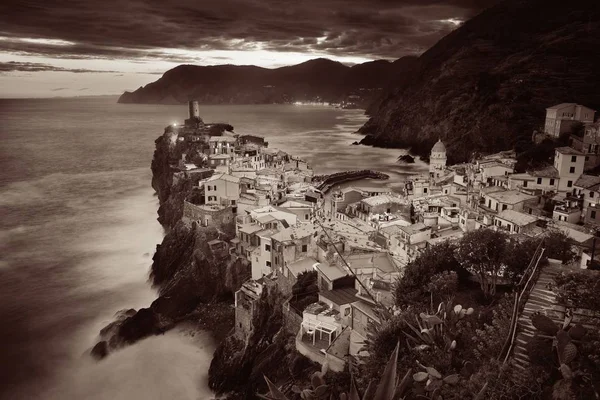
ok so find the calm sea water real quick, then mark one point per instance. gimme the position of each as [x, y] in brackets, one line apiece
[78, 229]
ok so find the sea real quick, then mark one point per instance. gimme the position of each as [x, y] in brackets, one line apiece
[78, 230]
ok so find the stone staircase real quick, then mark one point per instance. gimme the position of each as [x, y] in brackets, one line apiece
[541, 300]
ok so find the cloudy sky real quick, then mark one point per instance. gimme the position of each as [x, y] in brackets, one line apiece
[83, 47]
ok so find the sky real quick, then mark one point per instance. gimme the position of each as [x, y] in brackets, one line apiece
[83, 47]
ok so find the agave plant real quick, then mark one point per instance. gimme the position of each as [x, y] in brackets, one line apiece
[390, 386]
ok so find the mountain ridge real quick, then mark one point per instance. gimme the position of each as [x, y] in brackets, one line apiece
[318, 79]
[484, 87]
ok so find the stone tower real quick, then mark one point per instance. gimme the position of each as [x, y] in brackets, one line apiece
[194, 109]
[437, 159]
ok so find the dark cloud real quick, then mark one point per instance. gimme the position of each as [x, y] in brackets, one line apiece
[12, 66]
[139, 29]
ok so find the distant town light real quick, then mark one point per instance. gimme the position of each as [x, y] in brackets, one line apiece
[174, 123]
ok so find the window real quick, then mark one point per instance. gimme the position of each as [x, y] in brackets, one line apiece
[424, 190]
[276, 260]
[524, 183]
[306, 216]
[304, 248]
[572, 170]
[268, 264]
[208, 188]
[593, 215]
[267, 247]
[504, 207]
[569, 183]
[552, 181]
[539, 181]
[573, 158]
[591, 195]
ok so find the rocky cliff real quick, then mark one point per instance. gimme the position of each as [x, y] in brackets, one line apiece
[188, 273]
[314, 80]
[485, 86]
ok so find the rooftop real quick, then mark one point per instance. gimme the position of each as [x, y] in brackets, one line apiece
[223, 138]
[415, 228]
[590, 182]
[340, 296]
[266, 233]
[561, 105]
[438, 147]
[296, 204]
[384, 199]
[510, 197]
[224, 177]
[295, 232]
[250, 228]
[517, 218]
[304, 264]
[568, 151]
[331, 272]
[380, 260]
[548, 172]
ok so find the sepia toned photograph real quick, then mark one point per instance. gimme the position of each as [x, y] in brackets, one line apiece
[300, 200]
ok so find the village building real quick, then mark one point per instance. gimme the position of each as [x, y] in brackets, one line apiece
[562, 117]
[373, 207]
[588, 187]
[304, 210]
[437, 160]
[515, 222]
[245, 300]
[336, 201]
[543, 180]
[498, 201]
[568, 210]
[570, 164]
[588, 144]
[221, 189]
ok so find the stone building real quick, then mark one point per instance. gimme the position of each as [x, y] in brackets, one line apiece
[437, 160]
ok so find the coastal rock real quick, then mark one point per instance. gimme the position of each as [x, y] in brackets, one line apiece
[100, 350]
[238, 367]
[406, 159]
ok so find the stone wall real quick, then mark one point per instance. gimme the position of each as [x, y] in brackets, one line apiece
[291, 319]
[205, 215]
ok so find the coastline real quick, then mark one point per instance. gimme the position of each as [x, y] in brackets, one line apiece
[196, 283]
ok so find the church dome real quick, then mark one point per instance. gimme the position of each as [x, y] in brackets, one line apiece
[438, 147]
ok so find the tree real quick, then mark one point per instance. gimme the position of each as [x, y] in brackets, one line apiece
[517, 258]
[481, 252]
[558, 246]
[412, 287]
